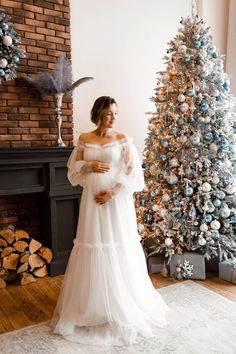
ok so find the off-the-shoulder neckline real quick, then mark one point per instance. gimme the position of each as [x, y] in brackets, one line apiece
[112, 143]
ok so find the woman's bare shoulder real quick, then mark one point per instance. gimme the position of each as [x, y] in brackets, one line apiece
[120, 136]
[84, 137]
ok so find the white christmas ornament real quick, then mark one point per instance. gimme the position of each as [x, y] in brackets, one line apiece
[215, 180]
[155, 207]
[140, 227]
[184, 107]
[168, 241]
[204, 227]
[174, 162]
[213, 147]
[225, 212]
[230, 189]
[206, 187]
[3, 63]
[202, 241]
[181, 98]
[172, 179]
[165, 197]
[182, 48]
[207, 119]
[182, 139]
[7, 41]
[215, 225]
[195, 139]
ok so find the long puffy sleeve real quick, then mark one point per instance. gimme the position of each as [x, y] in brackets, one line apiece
[131, 174]
[77, 169]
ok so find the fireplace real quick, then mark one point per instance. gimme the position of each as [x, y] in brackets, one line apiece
[39, 175]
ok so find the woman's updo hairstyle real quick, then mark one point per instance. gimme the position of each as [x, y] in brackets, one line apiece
[100, 104]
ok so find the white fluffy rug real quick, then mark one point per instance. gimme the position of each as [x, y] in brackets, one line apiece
[199, 321]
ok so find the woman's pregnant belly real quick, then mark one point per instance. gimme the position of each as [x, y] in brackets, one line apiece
[98, 181]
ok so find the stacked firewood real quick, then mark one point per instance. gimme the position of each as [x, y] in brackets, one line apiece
[21, 257]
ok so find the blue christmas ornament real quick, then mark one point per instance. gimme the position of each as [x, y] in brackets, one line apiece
[214, 55]
[168, 119]
[143, 202]
[190, 92]
[216, 136]
[188, 191]
[232, 219]
[215, 236]
[176, 202]
[148, 217]
[226, 86]
[217, 203]
[2, 72]
[191, 120]
[208, 135]
[178, 215]
[210, 50]
[152, 194]
[4, 26]
[16, 59]
[174, 194]
[174, 130]
[199, 61]
[221, 195]
[218, 98]
[208, 218]
[223, 143]
[187, 58]
[181, 121]
[196, 43]
[204, 107]
[163, 157]
[217, 164]
[159, 176]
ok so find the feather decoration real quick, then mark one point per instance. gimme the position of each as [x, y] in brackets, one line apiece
[63, 74]
[44, 83]
[76, 84]
[58, 82]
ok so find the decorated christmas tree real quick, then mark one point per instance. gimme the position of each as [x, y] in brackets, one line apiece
[10, 51]
[189, 202]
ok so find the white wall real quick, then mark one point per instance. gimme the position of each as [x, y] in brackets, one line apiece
[231, 45]
[121, 44]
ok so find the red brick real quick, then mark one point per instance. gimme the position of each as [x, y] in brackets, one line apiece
[52, 13]
[39, 104]
[9, 96]
[8, 123]
[21, 144]
[16, 89]
[8, 137]
[39, 130]
[44, 18]
[31, 137]
[62, 34]
[47, 124]
[31, 49]
[23, 13]
[47, 31]
[35, 23]
[3, 103]
[35, 36]
[3, 130]
[55, 53]
[56, 27]
[44, 4]
[64, 47]
[33, 8]
[11, 4]
[46, 58]
[49, 137]
[28, 110]
[54, 39]
[41, 143]
[8, 110]
[66, 16]
[62, 21]
[18, 131]
[47, 111]
[61, 8]
[26, 28]
[28, 124]
[16, 103]
[46, 45]
[37, 64]
[4, 144]
[39, 117]
[17, 19]
[18, 116]
[27, 41]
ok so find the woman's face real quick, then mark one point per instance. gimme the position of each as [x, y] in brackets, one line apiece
[109, 116]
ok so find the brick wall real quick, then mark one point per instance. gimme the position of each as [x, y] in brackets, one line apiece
[27, 119]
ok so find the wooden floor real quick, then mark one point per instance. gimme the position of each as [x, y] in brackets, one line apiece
[22, 306]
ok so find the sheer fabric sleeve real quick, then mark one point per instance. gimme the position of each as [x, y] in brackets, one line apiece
[77, 169]
[131, 176]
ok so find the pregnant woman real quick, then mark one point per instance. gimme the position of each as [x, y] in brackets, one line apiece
[107, 297]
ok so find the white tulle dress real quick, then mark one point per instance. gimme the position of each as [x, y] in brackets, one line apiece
[107, 297]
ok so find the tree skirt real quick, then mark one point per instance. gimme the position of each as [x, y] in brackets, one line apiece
[199, 321]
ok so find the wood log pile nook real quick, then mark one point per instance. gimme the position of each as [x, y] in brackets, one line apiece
[21, 257]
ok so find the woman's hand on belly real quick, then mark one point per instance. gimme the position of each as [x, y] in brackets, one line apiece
[104, 196]
[99, 167]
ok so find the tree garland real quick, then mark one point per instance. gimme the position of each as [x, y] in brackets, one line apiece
[10, 51]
